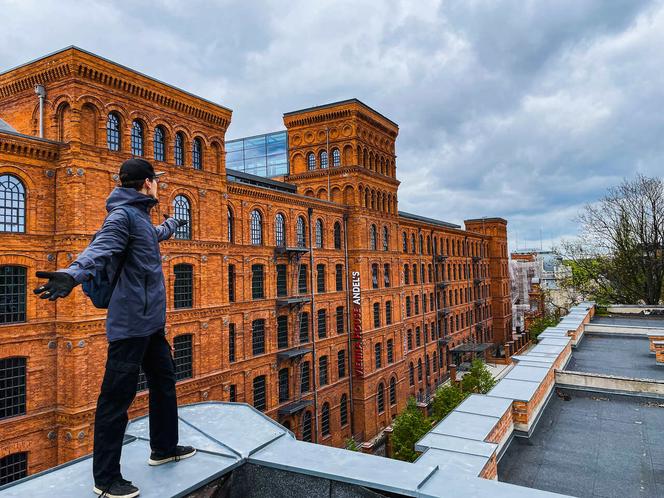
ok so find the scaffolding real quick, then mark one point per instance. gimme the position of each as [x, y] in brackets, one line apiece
[526, 274]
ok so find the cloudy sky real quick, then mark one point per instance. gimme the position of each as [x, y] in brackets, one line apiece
[520, 109]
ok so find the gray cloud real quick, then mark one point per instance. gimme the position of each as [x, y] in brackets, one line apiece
[521, 109]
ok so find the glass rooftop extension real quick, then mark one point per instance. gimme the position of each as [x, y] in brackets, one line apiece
[261, 155]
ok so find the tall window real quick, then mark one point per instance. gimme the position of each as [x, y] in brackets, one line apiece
[12, 294]
[257, 280]
[341, 363]
[311, 161]
[259, 393]
[178, 150]
[232, 393]
[302, 280]
[231, 342]
[418, 337]
[372, 237]
[337, 235]
[336, 158]
[258, 337]
[231, 227]
[380, 398]
[300, 232]
[376, 315]
[282, 280]
[256, 228]
[343, 410]
[306, 426]
[388, 313]
[182, 211]
[417, 305]
[421, 244]
[411, 374]
[325, 419]
[282, 331]
[414, 273]
[419, 370]
[12, 387]
[378, 353]
[12, 204]
[13, 467]
[374, 276]
[390, 351]
[159, 144]
[284, 393]
[386, 274]
[319, 233]
[304, 327]
[113, 132]
[322, 323]
[197, 154]
[407, 306]
[305, 377]
[412, 243]
[320, 278]
[183, 287]
[323, 159]
[410, 340]
[231, 283]
[322, 370]
[339, 277]
[137, 138]
[386, 239]
[280, 230]
[393, 391]
[404, 241]
[183, 357]
[406, 274]
[340, 320]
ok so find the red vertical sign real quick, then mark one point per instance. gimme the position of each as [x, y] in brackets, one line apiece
[356, 337]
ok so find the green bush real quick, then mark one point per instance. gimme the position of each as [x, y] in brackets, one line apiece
[351, 445]
[478, 379]
[447, 398]
[539, 325]
[408, 428]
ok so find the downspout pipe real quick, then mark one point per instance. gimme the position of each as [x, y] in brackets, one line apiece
[313, 321]
[41, 93]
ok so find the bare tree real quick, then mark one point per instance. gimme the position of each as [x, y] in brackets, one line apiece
[619, 255]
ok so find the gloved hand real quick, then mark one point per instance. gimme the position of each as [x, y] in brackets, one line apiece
[180, 223]
[59, 284]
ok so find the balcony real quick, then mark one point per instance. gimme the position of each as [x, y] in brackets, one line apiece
[294, 407]
[441, 258]
[292, 354]
[291, 252]
[442, 285]
[293, 301]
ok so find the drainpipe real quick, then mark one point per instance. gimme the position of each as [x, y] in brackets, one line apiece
[349, 326]
[41, 93]
[313, 328]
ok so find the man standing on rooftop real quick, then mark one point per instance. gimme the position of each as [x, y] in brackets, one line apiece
[134, 324]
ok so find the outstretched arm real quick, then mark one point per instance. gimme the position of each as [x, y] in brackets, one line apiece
[167, 229]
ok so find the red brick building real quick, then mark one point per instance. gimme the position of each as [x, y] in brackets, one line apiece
[266, 287]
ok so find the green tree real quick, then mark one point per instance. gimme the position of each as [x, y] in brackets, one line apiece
[478, 379]
[538, 325]
[351, 445]
[447, 398]
[408, 428]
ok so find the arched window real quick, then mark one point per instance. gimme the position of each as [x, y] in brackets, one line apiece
[231, 227]
[343, 410]
[311, 161]
[13, 467]
[372, 237]
[137, 138]
[319, 233]
[280, 230]
[325, 419]
[411, 374]
[421, 244]
[256, 228]
[12, 204]
[300, 232]
[380, 398]
[404, 240]
[306, 426]
[113, 132]
[412, 243]
[258, 337]
[378, 354]
[393, 391]
[197, 154]
[284, 382]
[386, 239]
[336, 158]
[178, 151]
[182, 211]
[337, 235]
[410, 339]
[323, 159]
[159, 149]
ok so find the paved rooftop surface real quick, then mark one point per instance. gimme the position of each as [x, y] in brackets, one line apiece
[630, 321]
[594, 445]
[615, 355]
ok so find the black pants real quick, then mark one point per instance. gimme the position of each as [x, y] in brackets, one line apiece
[118, 391]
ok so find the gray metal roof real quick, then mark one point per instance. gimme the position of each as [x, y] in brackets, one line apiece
[432, 221]
[521, 390]
[456, 444]
[4, 126]
[484, 405]
[530, 373]
[466, 425]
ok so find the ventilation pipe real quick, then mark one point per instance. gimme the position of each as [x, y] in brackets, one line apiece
[41, 93]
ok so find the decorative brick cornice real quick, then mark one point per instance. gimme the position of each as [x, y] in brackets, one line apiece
[271, 195]
[39, 78]
[16, 144]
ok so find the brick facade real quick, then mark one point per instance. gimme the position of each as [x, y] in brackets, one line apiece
[459, 292]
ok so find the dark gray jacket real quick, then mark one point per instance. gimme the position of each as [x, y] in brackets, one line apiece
[138, 303]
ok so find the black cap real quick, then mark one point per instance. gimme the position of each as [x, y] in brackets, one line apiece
[137, 169]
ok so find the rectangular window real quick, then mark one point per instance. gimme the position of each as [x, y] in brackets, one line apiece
[258, 337]
[231, 283]
[386, 274]
[259, 393]
[231, 342]
[13, 467]
[390, 351]
[339, 277]
[417, 305]
[374, 276]
[320, 278]
[376, 315]
[304, 327]
[407, 306]
[282, 331]
[284, 391]
[183, 357]
[12, 294]
[302, 281]
[282, 280]
[183, 295]
[305, 377]
[322, 370]
[322, 323]
[257, 291]
[232, 393]
[12, 387]
[388, 313]
[341, 363]
[340, 320]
